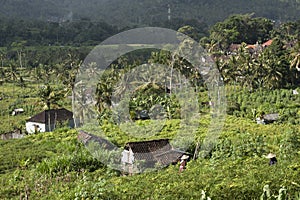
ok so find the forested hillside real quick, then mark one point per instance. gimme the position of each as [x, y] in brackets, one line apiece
[40, 33]
[142, 12]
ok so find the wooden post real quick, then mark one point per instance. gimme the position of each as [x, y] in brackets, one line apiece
[196, 151]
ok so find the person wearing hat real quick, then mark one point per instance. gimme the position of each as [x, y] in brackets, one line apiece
[272, 158]
[183, 163]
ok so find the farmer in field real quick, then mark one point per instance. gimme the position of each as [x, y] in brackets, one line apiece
[183, 163]
[272, 158]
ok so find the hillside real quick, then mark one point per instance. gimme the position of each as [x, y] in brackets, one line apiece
[39, 60]
[142, 12]
[55, 166]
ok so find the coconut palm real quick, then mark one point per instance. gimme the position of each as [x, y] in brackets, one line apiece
[295, 61]
[83, 104]
[273, 74]
[50, 96]
[245, 66]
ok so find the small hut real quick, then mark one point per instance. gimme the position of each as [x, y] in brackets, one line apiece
[48, 120]
[267, 118]
[270, 118]
[148, 154]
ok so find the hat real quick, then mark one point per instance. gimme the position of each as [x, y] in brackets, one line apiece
[184, 157]
[270, 155]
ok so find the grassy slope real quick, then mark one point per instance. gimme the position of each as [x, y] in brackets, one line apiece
[60, 168]
[14, 96]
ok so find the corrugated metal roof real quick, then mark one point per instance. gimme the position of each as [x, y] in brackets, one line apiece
[155, 151]
[151, 152]
[271, 117]
[54, 115]
[150, 146]
[169, 157]
[86, 138]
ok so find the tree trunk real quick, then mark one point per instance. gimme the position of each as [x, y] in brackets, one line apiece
[20, 58]
[171, 75]
[49, 121]
[73, 107]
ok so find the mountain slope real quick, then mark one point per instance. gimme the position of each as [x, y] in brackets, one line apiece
[142, 12]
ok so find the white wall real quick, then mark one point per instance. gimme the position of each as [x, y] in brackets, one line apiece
[30, 127]
[127, 156]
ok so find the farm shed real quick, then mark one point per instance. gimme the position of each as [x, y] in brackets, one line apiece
[17, 111]
[150, 153]
[137, 156]
[48, 120]
[270, 118]
[267, 118]
[16, 134]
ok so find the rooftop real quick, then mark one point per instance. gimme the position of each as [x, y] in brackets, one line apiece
[52, 115]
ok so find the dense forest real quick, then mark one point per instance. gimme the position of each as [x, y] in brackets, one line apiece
[40, 33]
[143, 12]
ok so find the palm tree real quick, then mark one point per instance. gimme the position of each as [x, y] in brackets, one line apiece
[245, 67]
[2, 70]
[273, 77]
[2, 55]
[272, 70]
[50, 96]
[83, 109]
[104, 91]
[20, 48]
[276, 65]
[295, 61]
[13, 73]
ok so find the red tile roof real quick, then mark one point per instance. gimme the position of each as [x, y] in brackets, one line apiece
[251, 46]
[267, 43]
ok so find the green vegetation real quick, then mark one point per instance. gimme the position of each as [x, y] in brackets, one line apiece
[30, 99]
[243, 103]
[256, 66]
[237, 29]
[14, 97]
[155, 13]
[20, 33]
[35, 76]
[55, 166]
